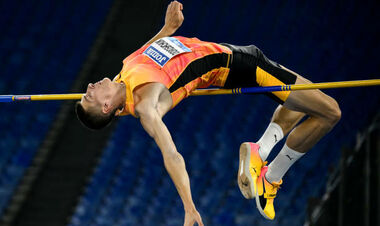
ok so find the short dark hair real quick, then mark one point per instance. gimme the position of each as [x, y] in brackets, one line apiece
[93, 120]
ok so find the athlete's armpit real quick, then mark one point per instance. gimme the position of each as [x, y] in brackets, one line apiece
[153, 96]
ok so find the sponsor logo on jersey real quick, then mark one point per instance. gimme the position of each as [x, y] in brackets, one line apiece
[162, 50]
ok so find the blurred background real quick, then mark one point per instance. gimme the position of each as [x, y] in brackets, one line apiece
[55, 172]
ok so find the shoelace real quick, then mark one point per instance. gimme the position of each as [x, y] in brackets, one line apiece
[276, 185]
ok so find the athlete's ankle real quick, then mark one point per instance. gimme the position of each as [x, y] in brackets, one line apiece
[272, 181]
[281, 164]
[263, 150]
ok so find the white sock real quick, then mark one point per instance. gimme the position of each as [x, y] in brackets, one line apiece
[272, 135]
[281, 164]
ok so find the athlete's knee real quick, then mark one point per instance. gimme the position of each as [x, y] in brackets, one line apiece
[333, 113]
[337, 112]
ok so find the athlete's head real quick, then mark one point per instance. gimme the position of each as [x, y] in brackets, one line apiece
[98, 106]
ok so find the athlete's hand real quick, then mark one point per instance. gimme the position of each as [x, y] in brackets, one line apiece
[192, 217]
[174, 17]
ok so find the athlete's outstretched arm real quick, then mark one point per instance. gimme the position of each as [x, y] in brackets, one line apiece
[173, 20]
[154, 101]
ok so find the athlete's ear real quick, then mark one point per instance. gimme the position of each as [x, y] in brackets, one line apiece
[106, 108]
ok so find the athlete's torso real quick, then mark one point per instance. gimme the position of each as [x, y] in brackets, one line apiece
[181, 64]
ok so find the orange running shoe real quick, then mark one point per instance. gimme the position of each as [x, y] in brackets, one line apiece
[250, 165]
[266, 194]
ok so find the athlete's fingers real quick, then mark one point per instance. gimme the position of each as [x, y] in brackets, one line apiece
[177, 6]
[199, 220]
[180, 6]
[170, 6]
[170, 9]
[177, 11]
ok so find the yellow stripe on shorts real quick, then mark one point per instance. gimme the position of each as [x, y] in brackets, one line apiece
[263, 78]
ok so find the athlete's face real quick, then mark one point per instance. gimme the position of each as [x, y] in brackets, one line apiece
[98, 96]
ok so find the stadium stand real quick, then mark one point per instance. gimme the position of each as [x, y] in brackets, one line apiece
[42, 48]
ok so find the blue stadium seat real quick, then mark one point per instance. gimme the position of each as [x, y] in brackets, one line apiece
[30, 54]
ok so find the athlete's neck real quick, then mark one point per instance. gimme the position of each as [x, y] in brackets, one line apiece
[121, 96]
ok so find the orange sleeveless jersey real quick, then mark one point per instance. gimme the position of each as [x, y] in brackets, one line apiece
[139, 69]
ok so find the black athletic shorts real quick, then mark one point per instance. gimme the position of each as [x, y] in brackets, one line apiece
[250, 67]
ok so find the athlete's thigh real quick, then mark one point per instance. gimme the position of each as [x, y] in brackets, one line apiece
[312, 102]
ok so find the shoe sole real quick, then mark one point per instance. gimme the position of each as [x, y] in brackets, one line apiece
[244, 178]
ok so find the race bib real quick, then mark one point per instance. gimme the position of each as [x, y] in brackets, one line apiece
[162, 50]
